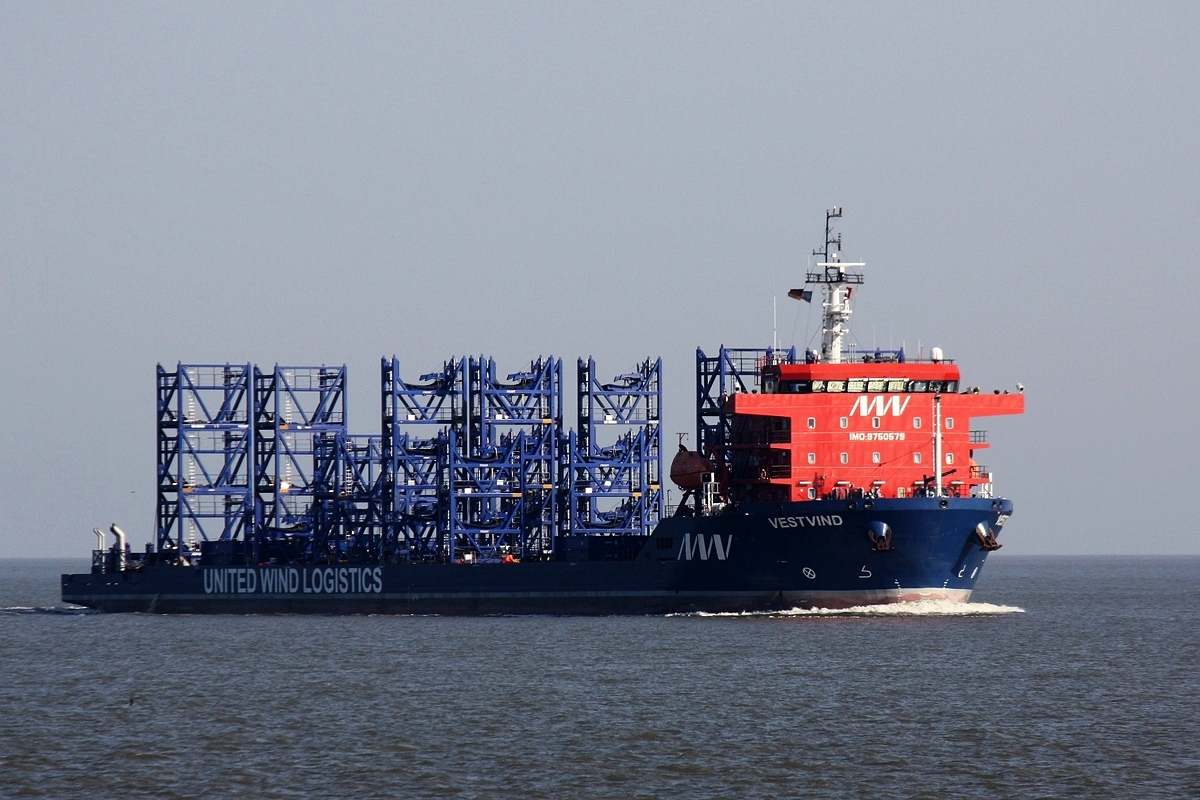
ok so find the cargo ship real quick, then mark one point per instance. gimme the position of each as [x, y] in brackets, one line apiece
[835, 477]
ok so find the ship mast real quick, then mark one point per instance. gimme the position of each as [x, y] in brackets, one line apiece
[837, 279]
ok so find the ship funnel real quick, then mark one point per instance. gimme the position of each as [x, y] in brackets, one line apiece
[120, 534]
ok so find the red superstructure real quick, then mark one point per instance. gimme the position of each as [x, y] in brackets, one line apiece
[849, 423]
[817, 430]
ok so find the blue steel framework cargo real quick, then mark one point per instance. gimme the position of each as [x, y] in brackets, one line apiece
[614, 483]
[258, 467]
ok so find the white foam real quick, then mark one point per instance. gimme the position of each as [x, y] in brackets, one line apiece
[917, 608]
[67, 610]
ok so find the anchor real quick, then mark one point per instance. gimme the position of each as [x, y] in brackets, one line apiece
[987, 538]
[880, 534]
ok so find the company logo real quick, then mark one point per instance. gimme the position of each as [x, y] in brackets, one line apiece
[701, 546]
[878, 406]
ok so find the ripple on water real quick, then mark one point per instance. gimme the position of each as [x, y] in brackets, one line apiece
[1071, 680]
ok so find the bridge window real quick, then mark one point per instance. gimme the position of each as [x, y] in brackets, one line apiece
[878, 385]
[845, 423]
[856, 385]
[812, 458]
[836, 386]
[874, 422]
[922, 386]
[845, 458]
[818, 386]
[812, 423]
[874, 458]
[916, 458]
[916, 422]
[949, 423]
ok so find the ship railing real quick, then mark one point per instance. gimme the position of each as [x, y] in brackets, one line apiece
[980, 472]
[849, 492]
[749, 361]
[834, 274]
[761, 438]
[311, 378]
[855, 355]
[637, 416]
[781, 471]
[978, 437]
[877, 355]
[110, 560]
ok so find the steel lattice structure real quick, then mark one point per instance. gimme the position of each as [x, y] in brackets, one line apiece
[613, 483]
[501, 491]
[257, 466]
[417, 421]
[205, 455]
[731, 371]
[348, 497]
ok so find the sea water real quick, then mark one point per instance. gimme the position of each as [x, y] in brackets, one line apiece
[1065, 677]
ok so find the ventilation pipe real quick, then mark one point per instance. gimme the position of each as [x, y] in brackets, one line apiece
[120, 534]
[99, 538]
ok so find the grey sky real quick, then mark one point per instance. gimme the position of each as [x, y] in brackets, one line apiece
[303, 183]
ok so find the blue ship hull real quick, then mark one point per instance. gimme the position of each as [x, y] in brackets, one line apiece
[756, 557]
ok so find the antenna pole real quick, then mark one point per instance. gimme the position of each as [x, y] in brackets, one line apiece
[937, 443]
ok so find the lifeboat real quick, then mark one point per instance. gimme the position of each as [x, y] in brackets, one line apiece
[688, 468]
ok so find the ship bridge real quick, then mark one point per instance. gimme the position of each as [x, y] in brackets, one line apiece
[840, 422]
